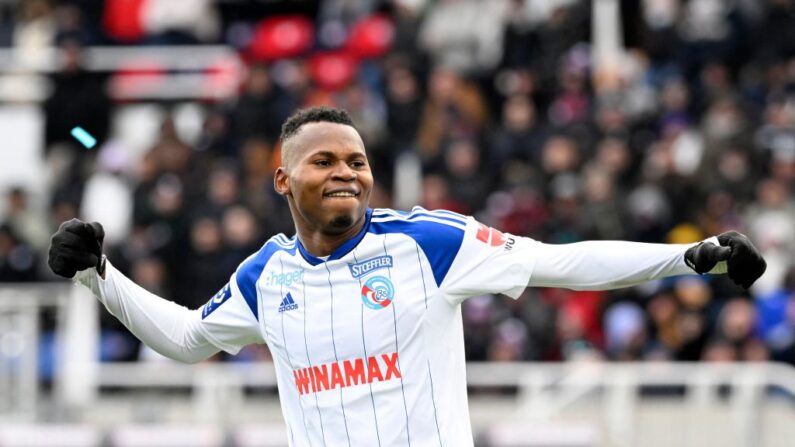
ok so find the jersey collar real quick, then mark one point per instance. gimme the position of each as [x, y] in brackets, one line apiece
[343, 249]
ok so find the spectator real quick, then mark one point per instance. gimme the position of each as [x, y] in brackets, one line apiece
[240, 234]
[18, 261]
[603, 206]
[520, 136]
[24, 221]
[625, 332]
[694, 135]
[465, 173]
[454, 108]
[261, 108]
[464, 36]
[205, 264]
[35, 28]
[771, 220]
[78, 99]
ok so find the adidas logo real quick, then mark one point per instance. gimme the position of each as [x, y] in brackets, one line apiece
[288, 303]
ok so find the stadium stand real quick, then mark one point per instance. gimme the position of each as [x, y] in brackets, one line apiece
[562, 120]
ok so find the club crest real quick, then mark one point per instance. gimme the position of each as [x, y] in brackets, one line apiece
[378, 292]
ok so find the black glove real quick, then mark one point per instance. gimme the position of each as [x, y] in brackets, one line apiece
[76, 246]
[744, 263]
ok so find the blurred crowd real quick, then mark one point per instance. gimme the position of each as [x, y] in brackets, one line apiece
[689, 133]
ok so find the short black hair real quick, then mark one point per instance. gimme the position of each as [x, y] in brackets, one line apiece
[313, 115]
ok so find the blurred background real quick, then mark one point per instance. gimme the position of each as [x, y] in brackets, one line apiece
[561, 120]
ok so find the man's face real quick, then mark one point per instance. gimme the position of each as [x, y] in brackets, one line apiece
[326, 177]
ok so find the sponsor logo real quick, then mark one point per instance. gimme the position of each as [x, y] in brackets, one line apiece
[284, 279]
[217, 300]
[287, 303]
[368, 265]
[345, 373]
[490, 236]
[378, 292]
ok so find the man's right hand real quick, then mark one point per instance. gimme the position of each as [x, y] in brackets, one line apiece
[76, 246]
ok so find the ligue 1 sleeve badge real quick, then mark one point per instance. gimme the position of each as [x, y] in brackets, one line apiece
[378, 292]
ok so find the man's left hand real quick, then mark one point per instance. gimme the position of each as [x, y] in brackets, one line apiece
[744, 264]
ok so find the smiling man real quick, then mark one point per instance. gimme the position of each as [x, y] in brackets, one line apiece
[324, 157]
[361, 309]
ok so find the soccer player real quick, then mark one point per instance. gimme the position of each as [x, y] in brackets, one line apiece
[361, 308]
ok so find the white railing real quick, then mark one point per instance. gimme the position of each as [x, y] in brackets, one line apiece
[544, 393]
[76, 334]
[149, 73]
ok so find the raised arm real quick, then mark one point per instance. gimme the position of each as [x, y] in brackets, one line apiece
[170, 329]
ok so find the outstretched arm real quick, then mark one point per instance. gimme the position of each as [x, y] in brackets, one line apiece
[489, 261]
[166, 327]
[601, 265]
[170, 329]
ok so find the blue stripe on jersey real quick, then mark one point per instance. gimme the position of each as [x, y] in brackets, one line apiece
[251, 269]
[420, 216]
[440, 242]
[440, 211]
[421, 212]
[343, 249]
[281, 240]
[418, 209]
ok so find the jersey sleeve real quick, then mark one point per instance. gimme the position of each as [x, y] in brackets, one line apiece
[489, 261]
[228, 320]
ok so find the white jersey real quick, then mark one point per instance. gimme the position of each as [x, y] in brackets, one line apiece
[368, 344]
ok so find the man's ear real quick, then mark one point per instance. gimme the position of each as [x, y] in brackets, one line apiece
[281, 182]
